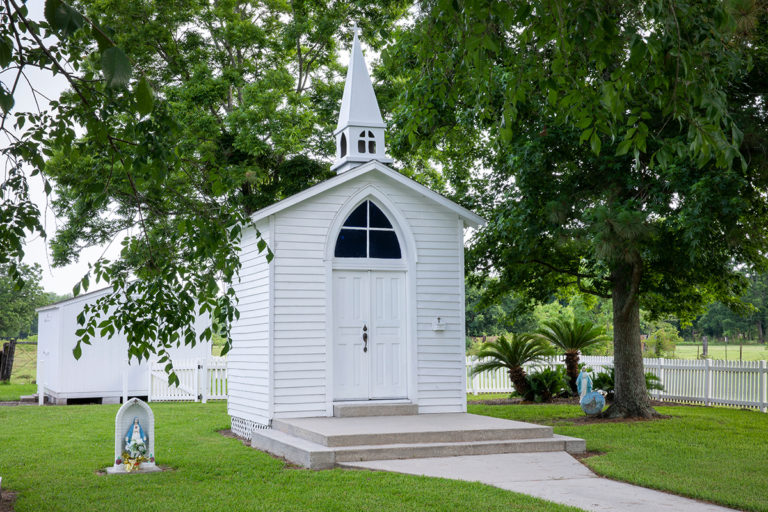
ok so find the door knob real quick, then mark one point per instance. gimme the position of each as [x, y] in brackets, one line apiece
[365, 338]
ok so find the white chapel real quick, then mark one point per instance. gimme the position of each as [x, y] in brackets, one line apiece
[363, 302]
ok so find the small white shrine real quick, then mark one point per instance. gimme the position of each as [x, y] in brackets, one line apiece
[134, 436]
[363, 302]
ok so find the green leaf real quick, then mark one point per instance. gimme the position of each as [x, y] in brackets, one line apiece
[623, 147]
[103, 41]
[6, 52]
[62, 17]
[6, 99]
[595, 143]
[116, 67]
[54, 12]
[77, 351]
[145, 97]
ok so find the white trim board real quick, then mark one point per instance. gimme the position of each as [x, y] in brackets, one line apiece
[470, 219]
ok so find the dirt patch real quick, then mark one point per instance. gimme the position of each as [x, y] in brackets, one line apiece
[562, 401]
[581, 456]
[6, 501]
[228, 433]
[588, 420]
[163, 469]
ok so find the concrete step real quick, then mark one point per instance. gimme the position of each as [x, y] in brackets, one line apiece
[382, 433]
[354, 410]
[424, 450]
[315, 456]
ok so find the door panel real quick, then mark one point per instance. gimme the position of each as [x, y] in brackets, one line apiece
[351, 308]
[388, 335]
[375, 300]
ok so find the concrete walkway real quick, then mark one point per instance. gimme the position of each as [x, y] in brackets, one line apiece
[553, 476]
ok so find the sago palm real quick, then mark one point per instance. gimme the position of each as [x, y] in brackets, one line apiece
[572, 338]
[512, 351]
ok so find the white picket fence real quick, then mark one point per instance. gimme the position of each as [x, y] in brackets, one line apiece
[706, 382]
[199, 380]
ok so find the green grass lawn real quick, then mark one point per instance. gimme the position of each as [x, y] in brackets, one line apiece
[749, 352]
[12, 392]
[50, 456]
[713, 454]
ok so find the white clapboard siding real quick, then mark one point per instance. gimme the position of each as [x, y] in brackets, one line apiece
[706, 382]
[248, 361]
[300, 295]
[299, 308]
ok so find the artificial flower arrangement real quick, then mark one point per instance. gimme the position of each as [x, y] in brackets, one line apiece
[132, 463]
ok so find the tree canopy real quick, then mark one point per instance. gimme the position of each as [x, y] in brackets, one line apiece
[181, 119]
[18, 304]
[609, 142]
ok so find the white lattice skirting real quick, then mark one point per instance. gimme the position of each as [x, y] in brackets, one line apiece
[244, 428]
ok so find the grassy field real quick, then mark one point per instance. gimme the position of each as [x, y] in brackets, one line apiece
[749, 352]
[12, 392]
[51, 456]
[713, 454]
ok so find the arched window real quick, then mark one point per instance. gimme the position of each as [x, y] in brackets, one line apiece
[343, 145]
[367, 233]
[369, 138]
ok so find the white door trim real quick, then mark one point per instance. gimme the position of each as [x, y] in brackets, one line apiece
[410, 257]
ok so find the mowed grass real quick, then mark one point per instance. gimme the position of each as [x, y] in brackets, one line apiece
[749, 352]
[713, 454]
[12, 392]
[51, 457]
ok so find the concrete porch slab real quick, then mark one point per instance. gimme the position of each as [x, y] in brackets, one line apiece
[416, 428]
[320, 443]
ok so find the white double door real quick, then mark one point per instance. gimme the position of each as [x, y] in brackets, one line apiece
[369, 343]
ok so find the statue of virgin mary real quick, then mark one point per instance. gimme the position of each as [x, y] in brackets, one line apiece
[136, 440]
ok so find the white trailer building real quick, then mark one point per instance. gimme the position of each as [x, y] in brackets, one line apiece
[98, 374]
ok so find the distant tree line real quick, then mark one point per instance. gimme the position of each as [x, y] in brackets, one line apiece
[17, 305]
[745, 321]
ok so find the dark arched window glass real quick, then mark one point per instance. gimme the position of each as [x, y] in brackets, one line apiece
[367, 233]
[366, 136]
[343, 145]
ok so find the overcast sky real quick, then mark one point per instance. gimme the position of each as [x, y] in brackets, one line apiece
[61, 280]
[58, 280]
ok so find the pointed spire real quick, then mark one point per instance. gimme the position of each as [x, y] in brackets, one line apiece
[358, 105]
[360, 132]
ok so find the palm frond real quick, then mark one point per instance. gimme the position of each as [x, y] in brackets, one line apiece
[572, 336]
[511, 351]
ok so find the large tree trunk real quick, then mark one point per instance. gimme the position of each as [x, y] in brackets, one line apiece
[631, 398]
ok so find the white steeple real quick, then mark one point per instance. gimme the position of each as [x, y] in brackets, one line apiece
[360, 132]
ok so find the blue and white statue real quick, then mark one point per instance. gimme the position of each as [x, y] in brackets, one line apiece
[583, 383]
[136, 440]
[591, 402]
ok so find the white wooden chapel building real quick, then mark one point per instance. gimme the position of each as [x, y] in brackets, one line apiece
[364, 299]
